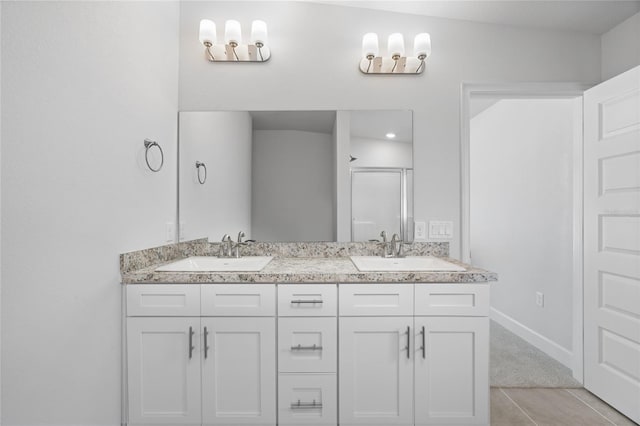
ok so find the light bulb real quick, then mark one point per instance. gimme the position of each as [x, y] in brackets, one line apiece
[370, 45]
[207, 32]
[259, 32]
[422, 45]
[232, 32]
[396, 45]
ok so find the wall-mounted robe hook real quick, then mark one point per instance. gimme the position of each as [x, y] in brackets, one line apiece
[148, 144]
[199, 165]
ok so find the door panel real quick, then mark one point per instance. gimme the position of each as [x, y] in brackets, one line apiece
[612, 241]
[239, 371]
[376, 375]
[164, 379]
[452, 374]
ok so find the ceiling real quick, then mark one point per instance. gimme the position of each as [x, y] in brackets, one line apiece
[591, 16]
[376, 124]
[306, 121]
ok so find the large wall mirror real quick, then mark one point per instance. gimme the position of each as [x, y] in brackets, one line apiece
[296, 175]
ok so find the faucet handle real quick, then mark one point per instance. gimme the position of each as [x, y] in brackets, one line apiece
[240, 235]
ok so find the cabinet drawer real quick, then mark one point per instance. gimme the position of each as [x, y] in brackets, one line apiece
[376, 299]
[238, 300]
[307, 345]
[452, 299]
[307, 300]
[160, 300]
[307, 399]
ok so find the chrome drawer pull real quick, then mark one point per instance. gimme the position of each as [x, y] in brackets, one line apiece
[306, 301]
[313, 404]
[306, 348]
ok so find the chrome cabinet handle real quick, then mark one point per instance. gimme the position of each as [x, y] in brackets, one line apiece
[306, 348]
[206, 345]
[306, 301]
[408, 342]
[313, 404]
[191, 347]
[424, 345]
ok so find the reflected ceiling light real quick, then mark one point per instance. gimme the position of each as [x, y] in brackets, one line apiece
[396, 62]
[390, 135]
[233, 50]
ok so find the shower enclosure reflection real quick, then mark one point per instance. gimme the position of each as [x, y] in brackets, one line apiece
[296, 175]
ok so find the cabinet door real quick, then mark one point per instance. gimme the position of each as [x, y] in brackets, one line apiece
[164, 370]
[452, 372]
[376, 371]
[239, 371]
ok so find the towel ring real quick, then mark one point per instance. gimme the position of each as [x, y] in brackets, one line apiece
[148, 144]
[198, 165]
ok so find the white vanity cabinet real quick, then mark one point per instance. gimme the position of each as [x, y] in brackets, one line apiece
[238, 354]
[307, 354]
[403, 362]
[163, 355]
[398, 354]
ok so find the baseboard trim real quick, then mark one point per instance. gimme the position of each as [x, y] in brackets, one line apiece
[551, 348]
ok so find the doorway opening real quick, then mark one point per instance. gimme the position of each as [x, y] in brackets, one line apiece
[522, 217]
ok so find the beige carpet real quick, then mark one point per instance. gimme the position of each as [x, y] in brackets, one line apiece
[516, 363]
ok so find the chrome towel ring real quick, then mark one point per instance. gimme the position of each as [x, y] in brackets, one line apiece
[200, 179]
[148, 144]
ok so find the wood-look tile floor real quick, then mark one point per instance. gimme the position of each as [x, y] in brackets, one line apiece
[551, 407]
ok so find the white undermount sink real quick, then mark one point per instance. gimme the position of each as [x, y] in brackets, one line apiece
[402, 264]
[217, 264]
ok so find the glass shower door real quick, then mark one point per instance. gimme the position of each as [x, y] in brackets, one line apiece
[376, 203]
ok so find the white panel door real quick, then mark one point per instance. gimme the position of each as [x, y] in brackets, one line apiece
[239, 371]
[451, 370]
[376, 371]
[612, 242]
[164, 370]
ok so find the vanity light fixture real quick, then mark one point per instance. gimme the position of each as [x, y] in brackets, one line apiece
[396, 62]
[232, 49]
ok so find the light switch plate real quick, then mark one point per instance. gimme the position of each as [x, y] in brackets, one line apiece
[440, 230]
[170, 232]
[420, 231]
[181, 235]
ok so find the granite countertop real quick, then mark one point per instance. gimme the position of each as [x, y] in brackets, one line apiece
[296, 269]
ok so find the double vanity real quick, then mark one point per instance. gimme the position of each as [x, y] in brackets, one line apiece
[304, 334]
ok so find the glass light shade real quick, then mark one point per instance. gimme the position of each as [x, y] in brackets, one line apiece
[259, 32]
[370, 45]
[232, 32]
[422, 45]
[207, 31]
[396, 45]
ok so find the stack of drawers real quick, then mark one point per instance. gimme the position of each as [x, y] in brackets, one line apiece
[307, 354]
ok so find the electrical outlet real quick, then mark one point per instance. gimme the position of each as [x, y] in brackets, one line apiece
[170, 232]
[540, 299]
[420, 231]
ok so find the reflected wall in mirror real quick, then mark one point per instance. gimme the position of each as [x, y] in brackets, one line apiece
[296, 175]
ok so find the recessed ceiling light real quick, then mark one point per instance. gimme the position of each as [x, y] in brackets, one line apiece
[390, 135]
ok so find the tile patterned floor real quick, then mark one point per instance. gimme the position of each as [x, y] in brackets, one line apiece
[551, 407]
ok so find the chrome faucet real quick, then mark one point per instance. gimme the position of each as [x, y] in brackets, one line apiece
[226, 247]
[396, 246]
[385, 245]
[239, 243]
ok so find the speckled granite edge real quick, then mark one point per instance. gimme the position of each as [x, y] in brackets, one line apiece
[141, 259]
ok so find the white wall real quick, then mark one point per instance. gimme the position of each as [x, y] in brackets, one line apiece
[314, 65]
[621, 47]
[292, 192]
[221, 140]
[83, 83]
[521, 154]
